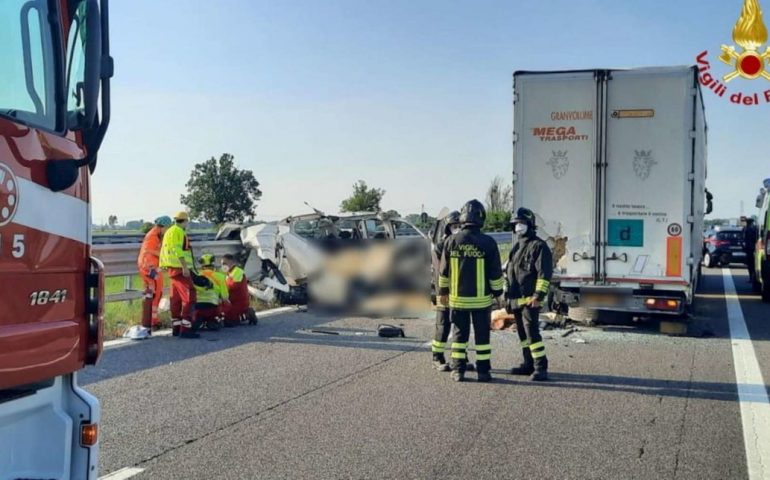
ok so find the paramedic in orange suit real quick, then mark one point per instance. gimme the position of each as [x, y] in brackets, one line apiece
[149, 271]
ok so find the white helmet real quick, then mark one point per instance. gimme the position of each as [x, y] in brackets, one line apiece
[137, 332]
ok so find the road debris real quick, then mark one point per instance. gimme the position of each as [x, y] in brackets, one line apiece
[570, 331]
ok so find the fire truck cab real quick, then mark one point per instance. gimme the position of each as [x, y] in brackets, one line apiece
[54, 112]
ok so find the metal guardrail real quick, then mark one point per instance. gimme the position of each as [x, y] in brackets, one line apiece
[502, 237]
[120, 261]
[119, 238]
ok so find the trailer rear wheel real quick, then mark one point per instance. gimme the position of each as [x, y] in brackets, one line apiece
[583, 315]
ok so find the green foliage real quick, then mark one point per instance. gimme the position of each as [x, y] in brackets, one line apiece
[417, 220]
[146, 227]
[219, 192]
[119, 316]
[363, 199]
[498, 221]
[499, 196]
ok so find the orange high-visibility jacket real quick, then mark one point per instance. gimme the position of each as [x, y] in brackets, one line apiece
[149, 254]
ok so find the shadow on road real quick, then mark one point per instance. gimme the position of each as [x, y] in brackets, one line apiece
[290, 328]
[642, 386]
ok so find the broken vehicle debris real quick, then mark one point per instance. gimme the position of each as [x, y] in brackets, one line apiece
[370, 260]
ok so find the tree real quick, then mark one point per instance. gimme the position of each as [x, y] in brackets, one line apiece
[499, 202]
[219, 192]
[363, 199]
[113, 221]
[499, 196]
[498, 221]
[146, 227]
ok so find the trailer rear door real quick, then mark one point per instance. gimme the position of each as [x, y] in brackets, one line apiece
[555, 158]
[648, 192]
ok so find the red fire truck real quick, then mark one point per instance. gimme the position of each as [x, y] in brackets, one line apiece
[54, 112]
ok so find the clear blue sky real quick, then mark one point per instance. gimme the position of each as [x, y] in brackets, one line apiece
[411, 96]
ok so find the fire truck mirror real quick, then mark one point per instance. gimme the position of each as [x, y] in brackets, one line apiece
[62, 174]
[84, 64]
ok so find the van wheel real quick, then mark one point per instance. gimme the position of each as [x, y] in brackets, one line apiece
[708, 260]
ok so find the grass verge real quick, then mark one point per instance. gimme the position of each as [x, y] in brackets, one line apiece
[120, 316]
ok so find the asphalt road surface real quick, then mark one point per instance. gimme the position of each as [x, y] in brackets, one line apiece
[278, 401]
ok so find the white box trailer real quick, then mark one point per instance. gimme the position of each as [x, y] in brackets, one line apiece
[613, 163]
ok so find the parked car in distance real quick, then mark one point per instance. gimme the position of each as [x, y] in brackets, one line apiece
[723, 246]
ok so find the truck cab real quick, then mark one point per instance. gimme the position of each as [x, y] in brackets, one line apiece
[54, 112]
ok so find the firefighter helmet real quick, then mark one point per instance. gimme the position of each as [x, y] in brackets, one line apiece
[473, 213]
[452, 219]
[524, 215]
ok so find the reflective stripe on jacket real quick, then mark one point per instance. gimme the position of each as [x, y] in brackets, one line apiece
[470, 270]
[529, 270]
[215, 294]
[175, 245]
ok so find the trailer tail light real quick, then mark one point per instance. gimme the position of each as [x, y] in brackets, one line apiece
[668, 304]
[89, 434]
[95, 310]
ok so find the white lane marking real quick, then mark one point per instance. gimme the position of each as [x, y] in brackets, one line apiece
[752, 394]
[123, 473]
[166, 332]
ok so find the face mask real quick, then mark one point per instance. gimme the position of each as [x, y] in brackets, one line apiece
[225, 268]
[521, 228]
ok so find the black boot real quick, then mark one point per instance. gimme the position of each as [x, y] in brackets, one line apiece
[484, 377]
[527, 367]
[251, 315]
[541, 370]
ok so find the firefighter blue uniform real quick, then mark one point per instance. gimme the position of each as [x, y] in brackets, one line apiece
[470, 279]
[443, 323]
[528, 274]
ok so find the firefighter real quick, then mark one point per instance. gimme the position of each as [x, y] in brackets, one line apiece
[210, 301]
[176, 257]
[528, 274]
[149, 270]
[470, 279]
[451, 224]
[238, 290]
